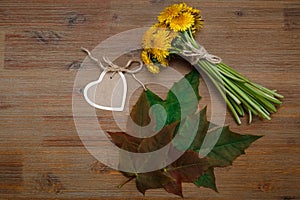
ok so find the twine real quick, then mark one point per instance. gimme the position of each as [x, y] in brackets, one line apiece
[115, 68]
[196, 54]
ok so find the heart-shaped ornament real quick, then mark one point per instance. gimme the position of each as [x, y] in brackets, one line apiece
[88, 88]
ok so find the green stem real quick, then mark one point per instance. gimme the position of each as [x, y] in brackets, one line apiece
[237, 107]
[194, 42]
[206, 70]
[243, 91]
[230, 75]
[248, 106]
[238, 75]
[215, 71]
[272, 92]
[261, 100]
[250, 116]
[253, 102]
[263, 94]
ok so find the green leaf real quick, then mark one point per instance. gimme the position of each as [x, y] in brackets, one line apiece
[182, 100]
[192, 131]
[229, 146]
[184, 95]
[158, 109]
[207, 180]
[202, 130]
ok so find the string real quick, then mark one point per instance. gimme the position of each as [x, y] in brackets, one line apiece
[199, 53]
[115, 68]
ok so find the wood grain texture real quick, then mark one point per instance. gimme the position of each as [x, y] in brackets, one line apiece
[41, 155]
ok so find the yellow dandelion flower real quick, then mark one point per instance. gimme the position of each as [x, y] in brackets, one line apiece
[160, 25]
[162, 39]
[192, 10]
[182, 22]
[198, 24]
[145, 57]
[164, 62]
[153, 68]
[148, 37]
[160, 54]
[171, 12]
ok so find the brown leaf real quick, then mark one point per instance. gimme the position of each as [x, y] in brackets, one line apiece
[139, 122]
[188, 167]
[140, 111]
[157, 179]
[125, 141]
[174, 187]
[143, 145]
[161, 139]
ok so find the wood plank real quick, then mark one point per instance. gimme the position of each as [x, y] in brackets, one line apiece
[2, 46]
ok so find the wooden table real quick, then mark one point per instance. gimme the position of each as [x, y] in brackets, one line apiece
[41, 155]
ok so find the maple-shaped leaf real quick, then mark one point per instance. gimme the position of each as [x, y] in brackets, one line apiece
[224, 146]
[182, 100]
[185, 169]
[186, 130]
[125, 141]
[207, 180]
[158, 179]
[189, 140]
[139, 122]
[136, 140]
[188, 167]
[228, 147]
[158, 141]
[154, 180]
[143, 145]
[192, 131]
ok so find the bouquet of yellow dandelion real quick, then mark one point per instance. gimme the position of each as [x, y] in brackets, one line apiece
[173, 34]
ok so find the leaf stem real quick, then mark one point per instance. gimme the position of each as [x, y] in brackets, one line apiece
[127, 181]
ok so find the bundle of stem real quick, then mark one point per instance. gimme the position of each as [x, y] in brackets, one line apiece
[240, 94]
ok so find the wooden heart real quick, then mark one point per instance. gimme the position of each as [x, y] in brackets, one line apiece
[91, 84]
